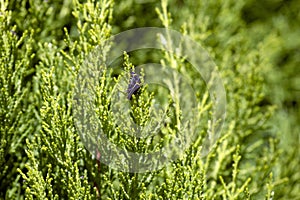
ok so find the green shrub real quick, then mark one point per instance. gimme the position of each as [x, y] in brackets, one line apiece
[43, 47]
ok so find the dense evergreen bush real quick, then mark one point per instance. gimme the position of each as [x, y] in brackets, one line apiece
[255, 46]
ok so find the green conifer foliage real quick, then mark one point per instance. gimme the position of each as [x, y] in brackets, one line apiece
[45, 43]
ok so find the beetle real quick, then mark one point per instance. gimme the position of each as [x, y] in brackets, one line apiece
[134, 84]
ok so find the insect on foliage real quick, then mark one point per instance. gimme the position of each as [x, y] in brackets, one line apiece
[134, 84]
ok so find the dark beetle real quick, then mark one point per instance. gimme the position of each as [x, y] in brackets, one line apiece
[134, 84]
